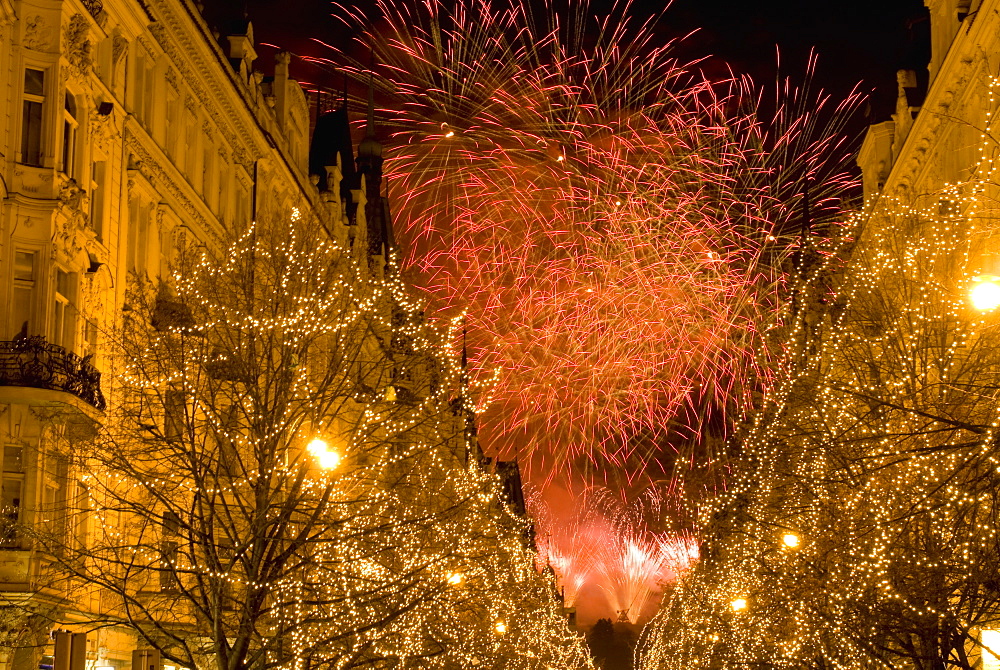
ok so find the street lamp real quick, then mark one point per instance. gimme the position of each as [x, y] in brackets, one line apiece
[738, 604]
[791, 540]
[500, 627]
[985, 293]
[455, 578]
[326, 457]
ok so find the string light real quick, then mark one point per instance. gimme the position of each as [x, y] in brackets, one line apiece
[878, 443]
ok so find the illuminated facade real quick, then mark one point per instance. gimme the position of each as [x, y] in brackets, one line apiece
[129, 130]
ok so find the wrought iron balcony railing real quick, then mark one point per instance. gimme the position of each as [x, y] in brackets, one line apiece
[32, 361]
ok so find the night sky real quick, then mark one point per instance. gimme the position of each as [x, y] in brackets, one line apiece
[862, 41]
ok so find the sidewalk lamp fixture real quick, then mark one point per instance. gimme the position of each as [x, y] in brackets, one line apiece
[500, 627]
[791, 540]
[738, 604]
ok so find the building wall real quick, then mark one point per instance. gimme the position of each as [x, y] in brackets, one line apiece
[126, 130]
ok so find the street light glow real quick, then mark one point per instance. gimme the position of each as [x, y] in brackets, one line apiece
[985, 293]
[739, 604]
[328, 460]
[317, 447]
[791, 540]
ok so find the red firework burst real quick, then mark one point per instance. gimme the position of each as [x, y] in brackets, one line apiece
[614, 226]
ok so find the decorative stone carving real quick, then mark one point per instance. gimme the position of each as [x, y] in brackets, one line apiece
[71, 195]
[103, 128]
[118, 47]
[78, 48]
[37, 34]
[171, 76]
[96, 8]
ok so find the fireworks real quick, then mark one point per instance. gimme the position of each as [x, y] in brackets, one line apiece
[618, 551]
[613, 225]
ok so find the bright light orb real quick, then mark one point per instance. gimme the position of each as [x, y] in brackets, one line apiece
[317, 447]
[739, 604]
[985, 293]
[791, 540]
[500, 627]
[328, 460]
[455, 578]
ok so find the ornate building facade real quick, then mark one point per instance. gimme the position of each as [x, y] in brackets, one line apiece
[129, 128]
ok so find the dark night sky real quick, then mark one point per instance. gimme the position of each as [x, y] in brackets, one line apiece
[857, 40]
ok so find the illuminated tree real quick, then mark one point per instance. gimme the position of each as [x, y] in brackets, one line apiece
[287, 476]
[861, 529]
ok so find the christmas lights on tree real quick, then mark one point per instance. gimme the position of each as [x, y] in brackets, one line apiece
[288, 477]
[861, 528]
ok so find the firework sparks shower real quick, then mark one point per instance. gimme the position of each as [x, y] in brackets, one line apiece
[621, 550]
[614, 225]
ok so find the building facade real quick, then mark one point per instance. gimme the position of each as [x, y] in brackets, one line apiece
[129, 129]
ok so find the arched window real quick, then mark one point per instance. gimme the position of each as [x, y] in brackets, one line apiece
[70, 128]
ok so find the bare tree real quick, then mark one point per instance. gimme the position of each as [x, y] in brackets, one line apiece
[288, 474]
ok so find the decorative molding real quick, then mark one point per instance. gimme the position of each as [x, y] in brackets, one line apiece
[37, 34]
[149, 168]
[78, 49]
[118, 48]
[104, 129]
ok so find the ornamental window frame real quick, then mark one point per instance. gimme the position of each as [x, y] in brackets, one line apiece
[32, 146]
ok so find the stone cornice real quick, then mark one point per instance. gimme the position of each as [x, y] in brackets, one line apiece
[958, 67]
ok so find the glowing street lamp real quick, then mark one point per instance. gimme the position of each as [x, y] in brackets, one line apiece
[738, 604]
[317, 447]
[985, 293]
[329, 460]
[455, 578]
[326, 457]
[500, 627]
[791, 540]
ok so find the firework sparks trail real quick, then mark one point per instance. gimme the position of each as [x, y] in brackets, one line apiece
[621, 547]
[614, 225]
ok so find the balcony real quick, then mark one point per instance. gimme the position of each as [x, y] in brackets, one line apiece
[34, 363]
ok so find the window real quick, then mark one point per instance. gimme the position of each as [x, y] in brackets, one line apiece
[64, 314]
[174, 415]
[69, 137]
[223, 204]
[10, 494]
[191, 150]
[142, 97]
[138, 231]
[98, 188]
[171, 523]
[168, 573]
[90, 338]
[206, 173]
[173, 122]
[23, 308]
[31, 116]
[171, 528]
